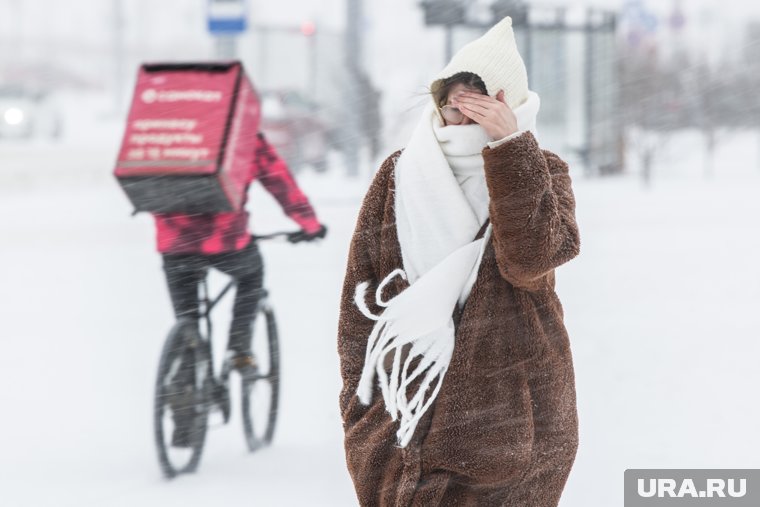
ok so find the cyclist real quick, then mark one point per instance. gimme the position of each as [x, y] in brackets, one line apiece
[191, 243]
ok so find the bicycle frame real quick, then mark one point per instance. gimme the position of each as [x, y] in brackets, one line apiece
[207, 304]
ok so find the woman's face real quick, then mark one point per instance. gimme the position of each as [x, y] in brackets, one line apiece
[450, 112]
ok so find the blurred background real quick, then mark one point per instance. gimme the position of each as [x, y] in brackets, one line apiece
[654, 105]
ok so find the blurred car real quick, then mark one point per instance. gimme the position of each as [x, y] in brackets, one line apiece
[294, 127]
[27, 114]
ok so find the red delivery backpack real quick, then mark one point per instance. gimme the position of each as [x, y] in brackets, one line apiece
[190, 138]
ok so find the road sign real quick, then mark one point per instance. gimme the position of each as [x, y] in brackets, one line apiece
[227, 17]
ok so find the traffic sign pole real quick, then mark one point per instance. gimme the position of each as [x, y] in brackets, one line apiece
[227, 19]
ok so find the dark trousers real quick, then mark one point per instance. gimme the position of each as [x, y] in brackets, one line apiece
[184, 273]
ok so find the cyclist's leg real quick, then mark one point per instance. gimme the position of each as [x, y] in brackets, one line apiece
[183, 275]
[247, 268]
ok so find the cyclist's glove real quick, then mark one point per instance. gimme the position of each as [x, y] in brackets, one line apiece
[297, 237]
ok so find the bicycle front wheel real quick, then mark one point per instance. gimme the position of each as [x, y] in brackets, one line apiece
[180, 411]
[261, 390]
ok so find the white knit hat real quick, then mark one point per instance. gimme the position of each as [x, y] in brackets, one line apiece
[494, 58]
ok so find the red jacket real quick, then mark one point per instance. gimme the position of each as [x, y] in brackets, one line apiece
[225, 232]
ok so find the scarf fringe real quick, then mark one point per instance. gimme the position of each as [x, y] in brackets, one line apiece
[434, 351]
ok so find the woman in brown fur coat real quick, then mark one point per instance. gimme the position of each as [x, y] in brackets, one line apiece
[458, 385]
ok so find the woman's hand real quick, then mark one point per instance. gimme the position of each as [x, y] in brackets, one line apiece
[493, 114]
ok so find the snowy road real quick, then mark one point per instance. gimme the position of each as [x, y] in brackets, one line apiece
[661, 308]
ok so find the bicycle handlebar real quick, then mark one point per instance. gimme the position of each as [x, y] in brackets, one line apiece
[272, 235]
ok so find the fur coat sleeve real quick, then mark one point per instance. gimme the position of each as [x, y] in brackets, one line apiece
[532, 210]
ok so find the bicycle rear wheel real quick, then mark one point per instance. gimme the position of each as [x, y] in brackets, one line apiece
[261, 390]
[181, 370]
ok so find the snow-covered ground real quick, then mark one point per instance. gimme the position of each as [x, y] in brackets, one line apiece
[662, 309]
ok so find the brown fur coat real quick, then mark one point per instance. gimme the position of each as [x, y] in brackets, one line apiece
[503, 429]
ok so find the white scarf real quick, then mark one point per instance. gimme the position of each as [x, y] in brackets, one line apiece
[441, 200]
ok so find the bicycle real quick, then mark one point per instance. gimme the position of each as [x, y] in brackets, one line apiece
[187, 351]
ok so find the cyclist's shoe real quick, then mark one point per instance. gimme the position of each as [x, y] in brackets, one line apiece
[245, 364]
